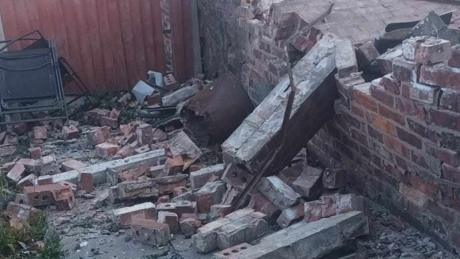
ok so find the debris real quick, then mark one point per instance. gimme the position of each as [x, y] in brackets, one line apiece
[249, 144]
[171, 219]
[334, 178]
[124, 216]
[70, 132]
[240, 226]
[40, 132]
[345, 58]
[149, 232]
[304, 240]
[178, 207]
[35, 152]
[17, 172]
[199, 178]
[141, 90]
[309, 183]
[180, 95]
[86, 182]
[291, 215]
[106, 150]
[181, 144]
[189, 225]
[29, 180]
[21, 215]
[60, 195]
[210, 194]
[279, 193]
[98, 135]
[72, 164]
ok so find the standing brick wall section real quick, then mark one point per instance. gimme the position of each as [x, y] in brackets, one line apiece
[236, 39]
[399, 136]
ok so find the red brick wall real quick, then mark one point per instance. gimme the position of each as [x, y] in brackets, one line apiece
[399, 137]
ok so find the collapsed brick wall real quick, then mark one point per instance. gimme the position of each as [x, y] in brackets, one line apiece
[399, 138]
[249, 42]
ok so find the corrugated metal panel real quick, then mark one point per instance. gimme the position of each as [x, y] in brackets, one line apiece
[110, 43]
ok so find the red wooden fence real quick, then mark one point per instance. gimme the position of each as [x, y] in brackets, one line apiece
[110, 43]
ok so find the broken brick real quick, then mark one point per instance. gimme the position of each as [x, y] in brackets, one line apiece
[278, 192]
[98, 135]
[144, 134]
[109, 122]
[432, 51]
[87, 182]
[174, 165]
[29, 180]
[21, 215]
[200, 177]
[189, 226]
[40, 132]
[35, 152]
[210, 194]
[17, 172]
[150, 232]
[70, 132]
[106, 150]
[291, 215]
[50, 194]
[309, 183]
[124, 216]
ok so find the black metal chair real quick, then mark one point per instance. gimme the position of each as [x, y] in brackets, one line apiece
[31, 87]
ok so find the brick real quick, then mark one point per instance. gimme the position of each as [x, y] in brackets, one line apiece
[124, 216]
[357, 111]
[374, 134]
[35, 152]
[17, 172]
[396, 145]
[381, 123]
[379, 93]
[40, 132]
[219, 211]
[447, 156]
[259, 203]
[291, 215]
[390, 84]
[125, 151]
[70, 132]
[309, 183]
[179, 207]
[87, 182]
[201, 177]
[423, 130]
[44, 180]
[362, 96]
[423, 93]
[445, 118]
[98, 135]
[450, 141]
[94, 116]
[432, 51]
[345, 58]
[367, 53]
[72, 164]
[189, 226]
[334, 178]
[413, 195]
[450, 100]
[454, 60]
[144, 134]
[440, 75]
[175, 165]
[108, 121]
[106, 150]
[133, 190]
[278, 192]
[29, 180]
[404, 70]
[150, 232]
[410, 108]
[409, 138]
[451, 173]
[385, 61]
[392, 115]
[49, 165]
[410, 47]
[170, 82]
[210, 194]
[143, 149]
[313, 211]
[171, 219]
[60, 195]
[240, 226]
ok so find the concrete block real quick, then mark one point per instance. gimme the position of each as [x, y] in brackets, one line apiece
[279, 193]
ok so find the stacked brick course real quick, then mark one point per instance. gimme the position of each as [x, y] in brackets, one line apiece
[399, 136]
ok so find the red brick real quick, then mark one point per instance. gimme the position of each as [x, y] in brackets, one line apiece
[451, 173]
[390, 84]
[440, 75]
[432, 51]
[150, 232]
[450, 99]
[379, 93]
[313, 211]
[396, 146]
[357, 111]
[98, 135]
[374, 134]
[358, 136]
[392, 115]
[106, 150]
[449, 157]
[409, 138]
[87, 182]
[404, 70]
[43, 195]
[17, 172]
[35, 152]
[454, 60]
[410, 108]
[450, 141]
[40, 132]
[423, 93]
[175, 165]
[171, 219]
[410, 46]
[381, 123]
[70, 132]
[445, 118]
[362, 96]
[125, 151]
[144, 134]
[421, 129]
